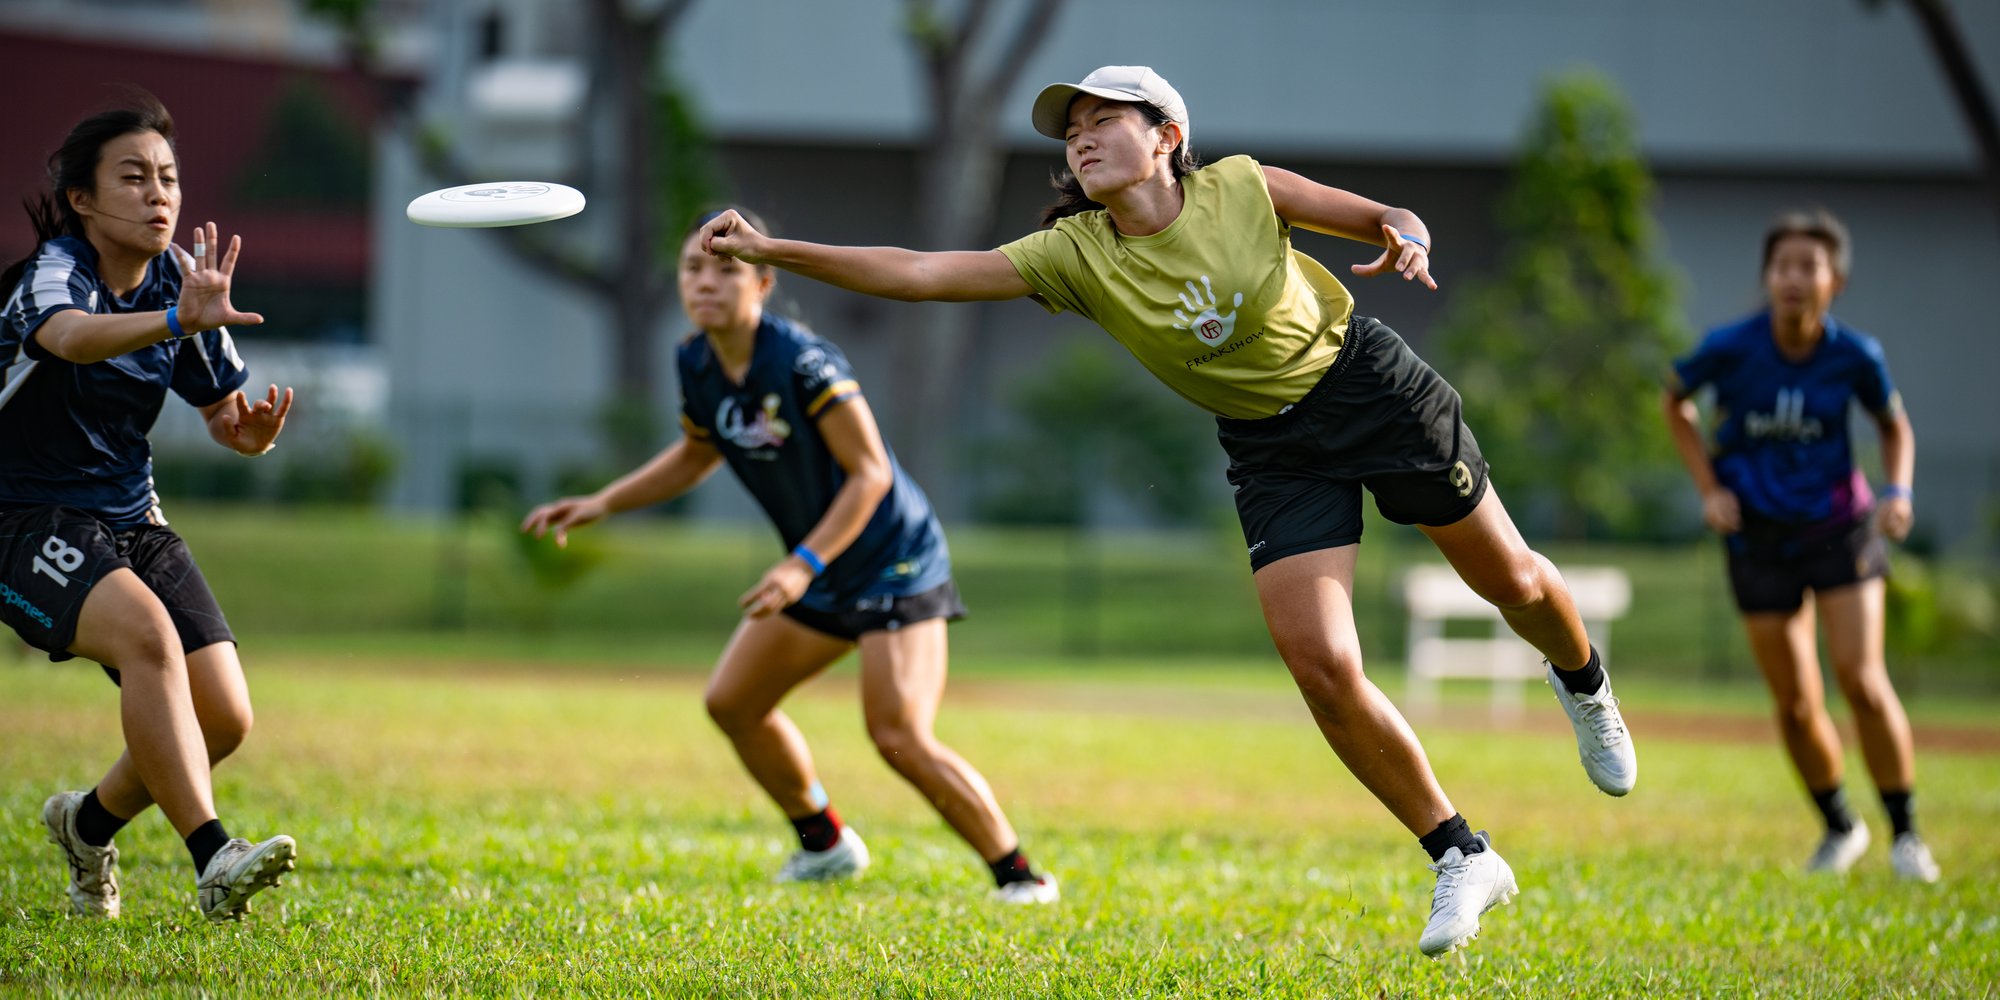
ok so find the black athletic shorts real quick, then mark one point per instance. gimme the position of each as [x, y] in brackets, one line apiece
[1379, 418]
[50, 557]
[1772, 564]
[884, 612]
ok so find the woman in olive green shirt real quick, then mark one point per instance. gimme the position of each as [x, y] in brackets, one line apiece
[1192, 269]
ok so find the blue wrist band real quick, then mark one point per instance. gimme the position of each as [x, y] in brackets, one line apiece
[1407, 238]
[812, 560]
[1893, 491]
[174, 323]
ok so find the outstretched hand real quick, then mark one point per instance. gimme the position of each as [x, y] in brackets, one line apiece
[250, 428]
[1405, 257]
[205, 277]
[729, 235]
[783, 585]
[561, 515]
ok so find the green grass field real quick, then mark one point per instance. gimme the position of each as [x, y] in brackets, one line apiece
[495, 823]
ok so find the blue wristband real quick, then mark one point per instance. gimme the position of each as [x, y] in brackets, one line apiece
[1407, 238]
[174, 323]
[1895, 491]
[811, 560]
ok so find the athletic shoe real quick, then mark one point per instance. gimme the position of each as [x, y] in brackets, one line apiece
[1911, 859]
[239, 871]
[1602, 742]
[1467, 886]
[93, 871]
[1839, 851]
[1040, 889]
[847, 858]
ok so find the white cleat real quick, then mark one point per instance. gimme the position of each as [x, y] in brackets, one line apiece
[847, 858]
[1839, 851]
[1467, 886]
[1911, 859]
[239, 871]
[93, 871]
[1040, 889]
[1602, 742]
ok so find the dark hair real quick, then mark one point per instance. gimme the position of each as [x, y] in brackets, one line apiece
[73, 167]
[1814, 223]
[705, 217]
[1070, 199]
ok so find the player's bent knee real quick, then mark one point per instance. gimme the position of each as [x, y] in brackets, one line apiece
[1520, 586]
[1798, 714]
[898, 743]
[733, 714]
[226, 732]
[1330, 681]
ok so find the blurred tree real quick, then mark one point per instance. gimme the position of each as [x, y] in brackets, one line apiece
[1089, 417]
[1954, 57]
[970, 59]
[1559, 355]
[652, 156]
[310, 157]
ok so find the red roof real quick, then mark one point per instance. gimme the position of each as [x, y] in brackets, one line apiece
[221, 106]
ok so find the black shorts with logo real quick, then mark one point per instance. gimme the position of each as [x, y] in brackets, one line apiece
[1379, 418]
[1772, 564]
[50, 558]
[884, 612]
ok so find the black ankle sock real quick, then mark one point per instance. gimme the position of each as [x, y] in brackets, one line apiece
[819, 831]
[1449, 834]
[1012, 867]
[95, 824]
[1833, 806]
[202, 844]
[1585, 679]
[1901, 816]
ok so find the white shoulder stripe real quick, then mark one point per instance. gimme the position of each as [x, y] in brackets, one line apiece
[52, 273]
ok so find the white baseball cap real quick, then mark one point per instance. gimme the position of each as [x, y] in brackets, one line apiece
[1113, 83]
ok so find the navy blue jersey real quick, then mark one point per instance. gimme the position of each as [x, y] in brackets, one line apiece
[1782, 444]
[765, 428]
[75, 434]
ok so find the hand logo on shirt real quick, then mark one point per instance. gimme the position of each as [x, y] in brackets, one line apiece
[1208, 323]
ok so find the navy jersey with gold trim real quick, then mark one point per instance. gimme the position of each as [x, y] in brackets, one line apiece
[766, 429]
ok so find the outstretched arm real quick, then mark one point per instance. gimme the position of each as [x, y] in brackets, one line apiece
[85, 338]
[678, 469]
[889, 272]
[1312, 205]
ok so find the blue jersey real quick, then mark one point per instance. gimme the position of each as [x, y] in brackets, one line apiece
[75, 434]
[765, 428]
[1782, 443]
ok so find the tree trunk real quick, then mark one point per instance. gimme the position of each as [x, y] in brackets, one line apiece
[1955, 58]
[633, 54]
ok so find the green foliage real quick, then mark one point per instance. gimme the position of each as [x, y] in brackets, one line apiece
[1090, 414]
[310, 157]
[356, 472]
[1559, 355]
[1934, 608]
[686, 177]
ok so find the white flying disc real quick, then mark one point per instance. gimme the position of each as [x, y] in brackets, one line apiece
[500, 203]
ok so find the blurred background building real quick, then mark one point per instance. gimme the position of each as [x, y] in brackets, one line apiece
[457, 363]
